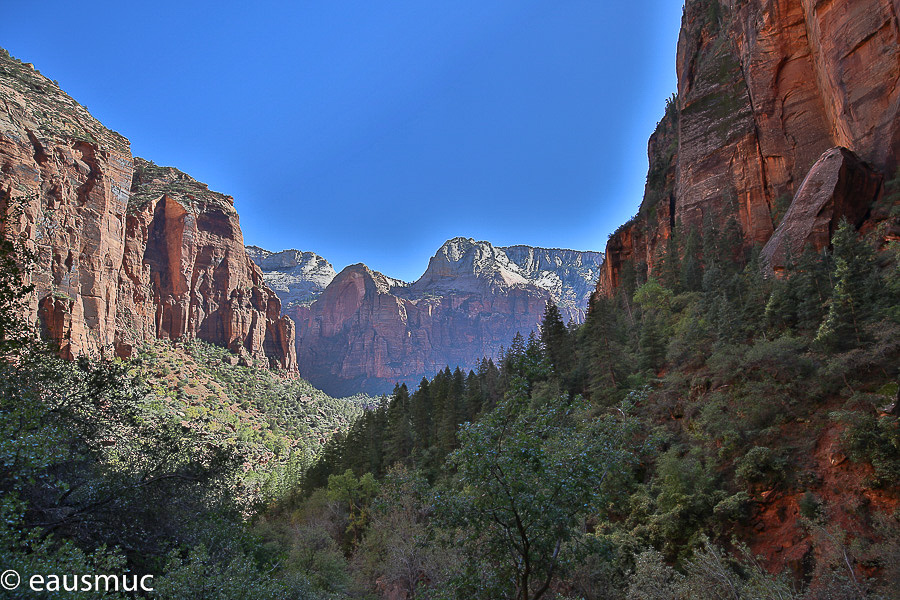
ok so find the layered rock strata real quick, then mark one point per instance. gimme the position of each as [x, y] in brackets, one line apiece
[124, 250]
[765, 89]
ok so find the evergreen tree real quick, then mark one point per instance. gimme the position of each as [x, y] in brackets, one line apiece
[606, 352]
[811, 288]
[450, 415]
[670, 265]
[375, 442]
[851, 298]
[556, 340]
[653, 344]
[753, 296]
[474, 395]
[489, 376]
[512, 362]
[421, 412]
[441, 404]
[399, 438]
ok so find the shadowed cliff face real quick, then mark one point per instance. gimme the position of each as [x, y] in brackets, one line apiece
[367, 332]
[126, 251]
[765, 89]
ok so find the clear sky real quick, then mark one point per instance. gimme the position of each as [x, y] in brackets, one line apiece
[372, 131]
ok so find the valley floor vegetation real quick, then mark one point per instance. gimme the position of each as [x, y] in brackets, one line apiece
[707, 433]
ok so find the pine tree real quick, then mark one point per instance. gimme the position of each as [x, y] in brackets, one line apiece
[452, 408]
[556, 340]
[489, 377]
[653, 345]
[851, 298]
[474, 395]
[440, 393]
[421, 413]
[811, 288]
[398, 438]
[670, 265]
[607, 354]
[511, 363]
[753, 297]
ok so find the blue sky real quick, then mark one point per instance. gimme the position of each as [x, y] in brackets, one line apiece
[373, 131]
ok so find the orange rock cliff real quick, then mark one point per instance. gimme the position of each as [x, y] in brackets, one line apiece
[771, 93]
[125, 250]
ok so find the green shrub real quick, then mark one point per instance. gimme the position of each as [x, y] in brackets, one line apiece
[760, 466]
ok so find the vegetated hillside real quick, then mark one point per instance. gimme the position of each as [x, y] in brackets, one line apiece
[150, 466]
[739, 364]
[125, 251]
[716, 435]
[276, 425]
[368, 332]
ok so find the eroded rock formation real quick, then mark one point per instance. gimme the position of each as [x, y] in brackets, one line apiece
[368, 331]
[124, 250]
[765, 89]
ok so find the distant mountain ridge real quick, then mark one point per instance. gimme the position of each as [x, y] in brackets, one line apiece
[365, 331]
[465, 265]
[297, 277]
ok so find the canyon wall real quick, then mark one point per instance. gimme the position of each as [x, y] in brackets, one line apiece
[124, 250]
[366, 331]
[765, 89]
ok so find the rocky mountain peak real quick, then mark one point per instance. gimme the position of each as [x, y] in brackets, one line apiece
[463, 264]
[297, 277]
[381, 282]
[367, 331]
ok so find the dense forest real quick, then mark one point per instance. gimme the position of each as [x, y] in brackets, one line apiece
[720, 426]
[707, 433]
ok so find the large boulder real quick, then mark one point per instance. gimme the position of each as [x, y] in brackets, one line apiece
[838, 186]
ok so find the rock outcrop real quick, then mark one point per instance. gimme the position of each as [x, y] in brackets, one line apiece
[297, 277]
[839, 186]
[367, 331]
[569, 275]
[125, 250]
[765, 89]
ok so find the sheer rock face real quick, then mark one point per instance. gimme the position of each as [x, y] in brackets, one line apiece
[125, 250]
[765, 88]
[185, 253]
[368, 331]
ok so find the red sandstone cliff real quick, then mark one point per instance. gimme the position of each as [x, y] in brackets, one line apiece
[367, 332]
[765, 89]
[125, 250]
